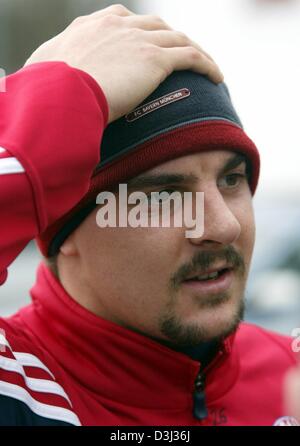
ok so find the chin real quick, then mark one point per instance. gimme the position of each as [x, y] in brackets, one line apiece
[213, 324]
[220, 330]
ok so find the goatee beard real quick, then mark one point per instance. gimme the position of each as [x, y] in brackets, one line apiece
[178, 334]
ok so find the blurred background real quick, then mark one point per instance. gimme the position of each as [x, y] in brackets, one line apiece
[256, 43]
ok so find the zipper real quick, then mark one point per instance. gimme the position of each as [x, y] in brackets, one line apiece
[200, 411]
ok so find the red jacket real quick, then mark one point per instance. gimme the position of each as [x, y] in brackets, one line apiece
[61, 364]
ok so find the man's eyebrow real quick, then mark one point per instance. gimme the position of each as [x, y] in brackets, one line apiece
[164, 179]
[234, 162]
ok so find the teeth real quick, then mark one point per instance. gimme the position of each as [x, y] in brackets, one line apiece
[208, 276]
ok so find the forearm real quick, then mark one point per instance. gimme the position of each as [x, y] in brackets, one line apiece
[51, 124]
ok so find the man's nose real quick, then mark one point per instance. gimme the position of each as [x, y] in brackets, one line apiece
[220, 224]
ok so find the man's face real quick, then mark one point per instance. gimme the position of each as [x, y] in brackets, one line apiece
[148, 279]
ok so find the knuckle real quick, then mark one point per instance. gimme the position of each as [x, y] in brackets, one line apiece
[134, 33]
[193, 53]
[78, 20]
[150, 52]
[156, 19]
[110, 19]
[182, 37]
[118, 8]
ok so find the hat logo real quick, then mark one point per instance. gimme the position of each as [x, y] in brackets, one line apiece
[154, 105]
[286, 421]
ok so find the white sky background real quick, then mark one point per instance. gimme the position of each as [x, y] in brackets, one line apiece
[257, 45]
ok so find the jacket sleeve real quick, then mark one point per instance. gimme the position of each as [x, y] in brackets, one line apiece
[52, 118]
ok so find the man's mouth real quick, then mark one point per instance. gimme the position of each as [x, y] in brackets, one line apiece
[210, 276]
[216, 281]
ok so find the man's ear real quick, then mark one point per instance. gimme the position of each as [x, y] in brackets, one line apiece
[69, 246]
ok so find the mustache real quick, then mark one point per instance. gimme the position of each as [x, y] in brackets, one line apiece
[205, 259]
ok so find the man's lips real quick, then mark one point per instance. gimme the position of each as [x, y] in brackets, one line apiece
[221, 284]
[220, 268]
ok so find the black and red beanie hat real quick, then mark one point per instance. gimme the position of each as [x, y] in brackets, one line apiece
[186, 114]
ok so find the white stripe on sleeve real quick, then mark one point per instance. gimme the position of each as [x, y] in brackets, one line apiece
[35, 384]
[10, 165]
[42, 409]
[25, 359]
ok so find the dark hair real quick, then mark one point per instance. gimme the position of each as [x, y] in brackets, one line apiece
[51, 262]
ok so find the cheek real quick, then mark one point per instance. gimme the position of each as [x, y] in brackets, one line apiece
[149, 254]
[245, 216]
[130, 260]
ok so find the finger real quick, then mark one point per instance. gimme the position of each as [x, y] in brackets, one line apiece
[169, 39]
[206, 54]
[189, 58]
[155, 23]
[147, 22]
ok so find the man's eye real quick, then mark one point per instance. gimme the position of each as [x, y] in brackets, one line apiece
[232, 180]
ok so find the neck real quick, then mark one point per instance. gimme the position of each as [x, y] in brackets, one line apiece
[203, 352]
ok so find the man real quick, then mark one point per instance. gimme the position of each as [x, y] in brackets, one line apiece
[130, 325]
